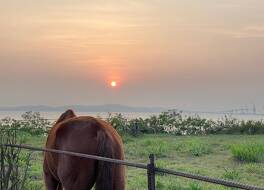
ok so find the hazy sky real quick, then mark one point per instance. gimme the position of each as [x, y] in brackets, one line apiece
[192, 54]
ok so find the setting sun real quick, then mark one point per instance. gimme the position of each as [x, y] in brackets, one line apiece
[113, 84]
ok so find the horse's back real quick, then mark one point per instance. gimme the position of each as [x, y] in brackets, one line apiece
[80, 134]
[77, 134]
[85, 135]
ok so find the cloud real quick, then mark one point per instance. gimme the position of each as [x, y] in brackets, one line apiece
[251, 32]
[245, 32]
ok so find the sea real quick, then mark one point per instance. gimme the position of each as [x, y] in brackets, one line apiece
[55, 115]
[133, 115]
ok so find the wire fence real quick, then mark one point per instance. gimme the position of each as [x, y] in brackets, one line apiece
[150, 167]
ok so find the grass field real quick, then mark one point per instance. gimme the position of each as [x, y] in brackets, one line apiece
[212, 156]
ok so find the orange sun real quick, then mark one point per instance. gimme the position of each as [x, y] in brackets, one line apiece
[113, 84]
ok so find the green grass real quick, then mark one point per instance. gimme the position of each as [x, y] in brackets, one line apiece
[205, 155]
[199, 148]
[231, 175]
[249, 152]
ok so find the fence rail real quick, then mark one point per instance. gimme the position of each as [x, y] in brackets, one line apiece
[150, 167]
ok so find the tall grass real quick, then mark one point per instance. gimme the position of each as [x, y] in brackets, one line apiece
[231, 174]
[156, 147]
[197, 148]
[250, 152]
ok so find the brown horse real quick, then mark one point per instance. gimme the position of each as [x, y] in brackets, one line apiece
[86, 135]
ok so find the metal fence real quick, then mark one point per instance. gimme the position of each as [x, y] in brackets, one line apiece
[150, 167]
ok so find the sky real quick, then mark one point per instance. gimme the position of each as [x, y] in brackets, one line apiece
[188, 54]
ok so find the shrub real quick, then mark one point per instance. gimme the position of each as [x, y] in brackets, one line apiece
[178, 124]
[14, 162]
[251, 127]
[119, 122]
[34, 123]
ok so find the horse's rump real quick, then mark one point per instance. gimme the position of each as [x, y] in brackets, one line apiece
[89, 136]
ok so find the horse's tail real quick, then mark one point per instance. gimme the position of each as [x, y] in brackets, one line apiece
[104, 179]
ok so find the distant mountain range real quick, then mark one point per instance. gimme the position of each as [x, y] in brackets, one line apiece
[85, 108]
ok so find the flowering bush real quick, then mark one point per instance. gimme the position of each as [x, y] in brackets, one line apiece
[179, 124]
[175, 123]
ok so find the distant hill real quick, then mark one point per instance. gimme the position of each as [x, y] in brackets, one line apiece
[84, 108]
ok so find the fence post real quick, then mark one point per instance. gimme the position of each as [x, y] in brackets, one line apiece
[151, 173]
